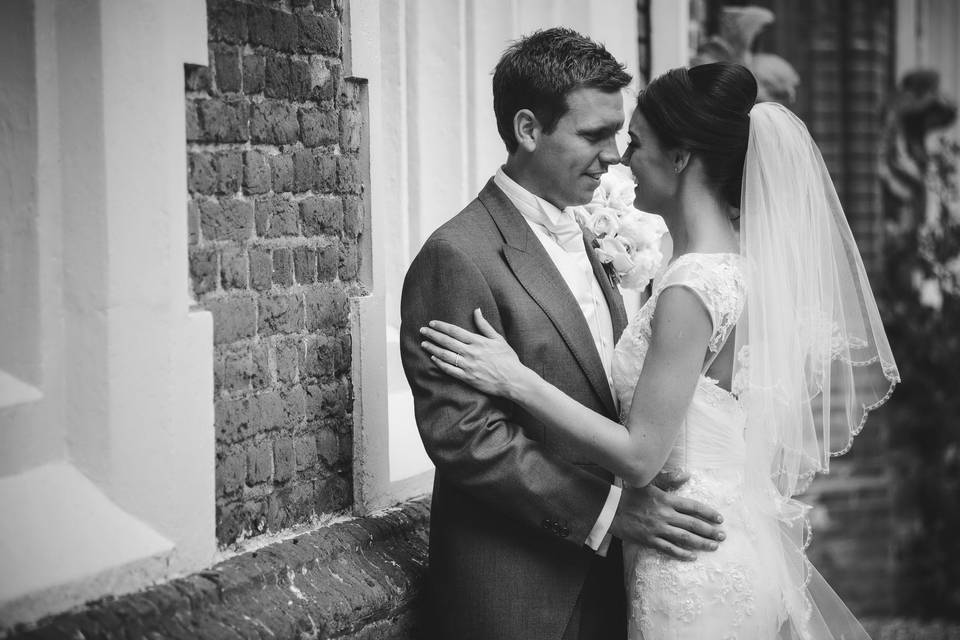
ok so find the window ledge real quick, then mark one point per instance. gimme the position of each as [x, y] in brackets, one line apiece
[61, 539]
[352, 580]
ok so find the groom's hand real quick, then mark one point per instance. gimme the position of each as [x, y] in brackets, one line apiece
[661, 520]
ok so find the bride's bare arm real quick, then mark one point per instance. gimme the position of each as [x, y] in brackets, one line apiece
[681, 331]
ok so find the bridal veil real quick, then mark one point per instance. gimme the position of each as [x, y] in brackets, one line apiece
[812, 356]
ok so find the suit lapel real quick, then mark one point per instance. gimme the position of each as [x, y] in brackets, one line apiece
[538, 275]
[618, 314]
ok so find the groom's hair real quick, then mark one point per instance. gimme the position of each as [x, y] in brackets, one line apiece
[538, 71]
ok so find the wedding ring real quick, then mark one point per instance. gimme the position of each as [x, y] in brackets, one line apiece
[456, 362]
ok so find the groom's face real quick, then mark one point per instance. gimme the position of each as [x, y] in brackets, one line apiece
[570, 160]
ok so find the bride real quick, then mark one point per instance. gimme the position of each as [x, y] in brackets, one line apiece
[757, 357]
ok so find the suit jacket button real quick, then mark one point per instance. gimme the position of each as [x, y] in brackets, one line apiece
[563, 532]
[546, 524]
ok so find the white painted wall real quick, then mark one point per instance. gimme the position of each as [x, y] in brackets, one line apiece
[108, 485]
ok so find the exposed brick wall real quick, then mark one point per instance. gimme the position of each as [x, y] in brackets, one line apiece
[274, 135]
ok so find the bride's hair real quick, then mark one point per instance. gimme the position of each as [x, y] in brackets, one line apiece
[705, 110]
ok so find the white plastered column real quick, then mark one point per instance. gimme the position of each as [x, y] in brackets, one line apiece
[123, 496]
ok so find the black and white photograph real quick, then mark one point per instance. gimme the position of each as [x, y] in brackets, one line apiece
[480, 320]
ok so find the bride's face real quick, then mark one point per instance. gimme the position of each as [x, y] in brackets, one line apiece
[652, 167]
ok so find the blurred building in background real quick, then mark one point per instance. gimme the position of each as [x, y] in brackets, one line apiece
[208, 209]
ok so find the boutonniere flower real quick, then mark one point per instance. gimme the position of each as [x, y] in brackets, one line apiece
[627, 239]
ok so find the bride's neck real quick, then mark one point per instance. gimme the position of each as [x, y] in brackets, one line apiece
[701, 223]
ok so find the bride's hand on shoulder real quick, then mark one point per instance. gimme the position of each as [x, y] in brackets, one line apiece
[483, 360]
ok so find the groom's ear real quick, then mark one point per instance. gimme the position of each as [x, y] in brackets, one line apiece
[527, 129]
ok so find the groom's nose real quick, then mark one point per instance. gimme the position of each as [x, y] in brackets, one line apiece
[609, 154]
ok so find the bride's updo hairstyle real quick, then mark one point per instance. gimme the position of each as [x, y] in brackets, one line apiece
[705, 110]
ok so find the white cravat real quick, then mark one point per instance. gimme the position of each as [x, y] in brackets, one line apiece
[560, 224]
[554, 231]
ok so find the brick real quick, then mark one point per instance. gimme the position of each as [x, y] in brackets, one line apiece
[349, 262]
[328, 262]
[281, 410]
[284, 458]
[261, 268]
[203, 271]
[348, 174]
[192, 121]
[351, 130]
[274, 122]
[281, 167]
[229, 166]
[319, 358]
[285, 32]
[270, 411]
[351, 93]
[304, 170]
[319, 34]
[259, 463]
[326, 307]
[333, 494]
[354, 213]
[288, 349]
[262, 373]
[226, 65]
[201, 173]
[260, 26]
[318, 127]
[234, 268]
[234, 318]
[256, 172]
[344, 355]
[320, 215]
[196, 77]
[305, 452]
[227, 21]
[283, 267]
[227, 219]
[254, 73]
[224, 119]
[235, 419]
[281, 313]
[324, 78]
[301, 80]
[230, 471]
[193, 222]
[276, 216]
[327, 447]
[237, 370]
[277, 76]
[305, 265]
[326, 171]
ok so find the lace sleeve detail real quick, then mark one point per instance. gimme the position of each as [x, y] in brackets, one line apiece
[717, 280]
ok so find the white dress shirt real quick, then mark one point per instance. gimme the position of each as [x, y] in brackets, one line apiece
[575, 268]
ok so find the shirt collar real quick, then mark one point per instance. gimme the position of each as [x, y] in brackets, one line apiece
[527, 203]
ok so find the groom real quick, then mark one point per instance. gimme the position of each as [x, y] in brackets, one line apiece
[525, 531]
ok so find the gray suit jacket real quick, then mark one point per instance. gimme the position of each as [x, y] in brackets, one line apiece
[513, 502]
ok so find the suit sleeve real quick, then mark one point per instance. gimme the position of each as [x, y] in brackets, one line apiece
[470, 436]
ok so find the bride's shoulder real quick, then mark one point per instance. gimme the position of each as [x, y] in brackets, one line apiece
[708, 269]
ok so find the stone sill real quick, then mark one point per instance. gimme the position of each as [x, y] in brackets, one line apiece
[352, 580]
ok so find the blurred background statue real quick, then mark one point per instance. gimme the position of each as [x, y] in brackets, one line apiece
[738, 28]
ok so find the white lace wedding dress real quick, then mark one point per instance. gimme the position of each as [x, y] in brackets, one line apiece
[733, 592]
